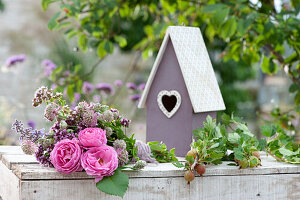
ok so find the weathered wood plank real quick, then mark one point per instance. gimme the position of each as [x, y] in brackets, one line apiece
[14, 150]
[269, 166]
[9, 184]
[11, 161]
[282, 186]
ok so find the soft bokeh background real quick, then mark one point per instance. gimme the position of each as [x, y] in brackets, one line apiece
[247, 91]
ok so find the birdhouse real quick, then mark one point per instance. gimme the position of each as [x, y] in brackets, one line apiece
[181, 90]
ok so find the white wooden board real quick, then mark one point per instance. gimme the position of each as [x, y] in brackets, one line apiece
[22, 178]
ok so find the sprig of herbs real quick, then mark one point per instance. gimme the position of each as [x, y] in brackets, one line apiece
[160, 152]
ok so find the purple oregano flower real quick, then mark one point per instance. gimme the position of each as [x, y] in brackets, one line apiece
[15, 59]
[87, 87]
[118, 83]
[106, 87]
[131, 86]
[135, 97]
[141, 86]
[49, 67]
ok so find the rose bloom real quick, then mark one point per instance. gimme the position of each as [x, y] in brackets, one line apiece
[65, 156]
[100, 161]
[92, 137]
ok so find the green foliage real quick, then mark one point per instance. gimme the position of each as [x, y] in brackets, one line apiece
[281, 145]
[116, 184]
[160, 152]
[2, 6]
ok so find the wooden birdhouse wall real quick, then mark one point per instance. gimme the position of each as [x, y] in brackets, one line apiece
[176, 131]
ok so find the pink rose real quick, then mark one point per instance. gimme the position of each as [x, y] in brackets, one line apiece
[66, 156]
[100, 161]
[92, 137]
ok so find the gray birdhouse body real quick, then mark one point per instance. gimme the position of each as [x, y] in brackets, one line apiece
[181, 90]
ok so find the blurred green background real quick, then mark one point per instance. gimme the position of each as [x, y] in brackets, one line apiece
[253, 45]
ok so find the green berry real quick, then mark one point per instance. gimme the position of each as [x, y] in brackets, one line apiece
[189, 176]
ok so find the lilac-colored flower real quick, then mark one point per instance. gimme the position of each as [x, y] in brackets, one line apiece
[49, 67]
[141, 86]
[67, 73]
[61, 81]
[118, 83]
[125, 122]
[87, 87]
[135, 97]
[76, 96]
[15, 59]
[106, 87]
[131, 86]
[53, 86]
[96, 98]
[31, 124]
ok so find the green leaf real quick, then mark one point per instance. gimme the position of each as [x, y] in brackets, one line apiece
[105, 47]
[46, 3]
[268, 66]
[82, 42]
[70, 92]
[243, 25]
[234, 138]
[238, 153]
[286, 152]
[293, 88]
[116, 184]
[178, 164]
[53, 21]
[220, 16]
[267, 130]
[190, 159]
[228, 28]
[121, 40]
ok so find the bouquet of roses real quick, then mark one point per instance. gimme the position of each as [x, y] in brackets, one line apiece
[90, 137]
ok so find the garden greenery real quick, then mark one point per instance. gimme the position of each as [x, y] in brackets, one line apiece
[241, 33]
[233, 141]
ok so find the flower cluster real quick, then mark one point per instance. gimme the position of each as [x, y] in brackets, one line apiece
[90, 137]
[135, 89]
[13, 60]
[44, 94]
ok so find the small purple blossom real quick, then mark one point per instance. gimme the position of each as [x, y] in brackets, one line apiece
[131, 86]
[96, 98]
[106, 87]
[49, 67]
[118, 83]
[15, 59]
[67, 73]
[125, 122]
[141, 86]
[135, 97]
[87, 88]
[31, 124]
[76, 96]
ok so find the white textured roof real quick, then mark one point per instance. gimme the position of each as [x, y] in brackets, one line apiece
[196, 69]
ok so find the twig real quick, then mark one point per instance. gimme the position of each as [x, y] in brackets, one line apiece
[126, 78]
[92, 70]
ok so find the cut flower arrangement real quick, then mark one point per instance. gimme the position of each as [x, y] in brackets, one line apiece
[90, 137]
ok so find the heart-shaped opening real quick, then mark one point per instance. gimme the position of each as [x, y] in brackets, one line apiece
[169, 102]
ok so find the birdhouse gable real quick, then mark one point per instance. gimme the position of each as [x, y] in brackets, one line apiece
[196, 69]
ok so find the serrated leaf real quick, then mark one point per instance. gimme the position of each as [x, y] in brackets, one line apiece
[234, 138]
[238, 153]
[121, 40]
[116, 184]
[178, 164]
[190, 159]
[286, 152]
[268, 130]
[53, 21]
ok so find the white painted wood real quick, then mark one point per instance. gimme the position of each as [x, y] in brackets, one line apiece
[209, 188]
[29, 181]
[9, 184]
